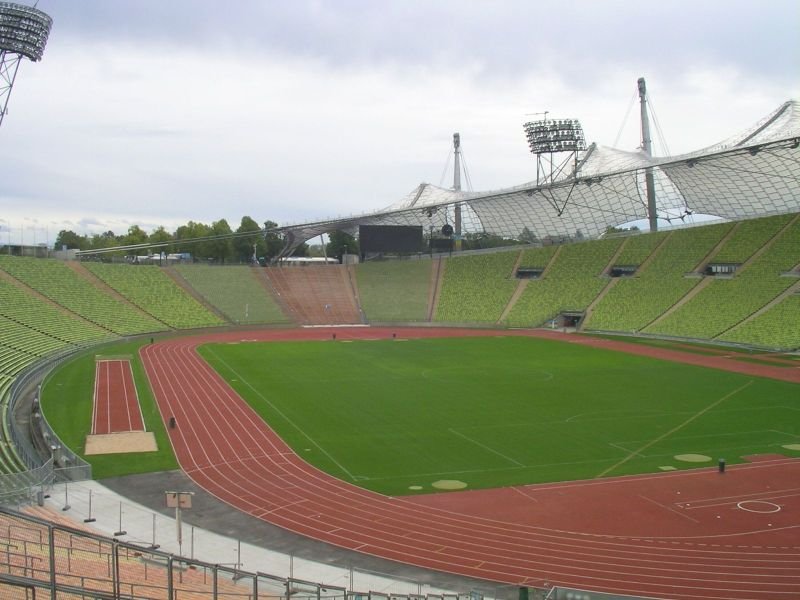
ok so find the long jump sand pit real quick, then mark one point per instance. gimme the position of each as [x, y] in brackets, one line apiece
[119, 443]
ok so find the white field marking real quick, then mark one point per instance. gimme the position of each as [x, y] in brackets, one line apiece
[94, 397]
[435, 373]
[521, 493]
[500, 470]
[669, 508]
[791, 435]
[623, 448]
[655, 414]
[280, 412]
[726, 500]
[676, 428]
[485, 447]
[125, 394]
[107, 398]
[773, 507]
[622, 445]
[613, 415]
[136, 391]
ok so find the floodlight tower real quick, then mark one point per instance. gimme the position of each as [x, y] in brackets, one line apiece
[647, 146]
[556, 143]
[23, 33]
[457, 185]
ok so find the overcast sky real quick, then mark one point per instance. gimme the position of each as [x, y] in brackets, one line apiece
[157, 112]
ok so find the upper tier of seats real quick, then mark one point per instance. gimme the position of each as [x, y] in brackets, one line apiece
[235, 291]
[149, 288]
[315, 295]
[635, 302]
[477, 288]
[396, 291]
[571, 282]
[725, 302]
[64, 286]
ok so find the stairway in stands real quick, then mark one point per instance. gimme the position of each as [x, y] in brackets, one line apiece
[316, 295]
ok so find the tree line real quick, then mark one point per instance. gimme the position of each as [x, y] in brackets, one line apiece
[243, 248]
[217, 248]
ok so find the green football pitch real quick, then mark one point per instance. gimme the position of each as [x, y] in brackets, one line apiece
[411, 416]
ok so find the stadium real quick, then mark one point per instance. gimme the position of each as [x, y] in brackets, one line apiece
[585, 411]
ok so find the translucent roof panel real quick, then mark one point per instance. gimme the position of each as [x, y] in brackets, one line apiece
[754, 173]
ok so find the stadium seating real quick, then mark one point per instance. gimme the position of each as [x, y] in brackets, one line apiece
[749, 237]
[638, 248]
[635, 302]
[62, 285]
[537, 257]
[315, 295]
[476, 288]
[155, 293]
[571, 283]
[394, 290]
[726, 302]
[41, 316]
[235, 291]
[778, 327]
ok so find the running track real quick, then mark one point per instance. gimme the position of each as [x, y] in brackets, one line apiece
[674, 535]
[116, 406]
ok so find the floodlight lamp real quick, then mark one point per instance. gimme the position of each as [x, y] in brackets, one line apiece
[754, 150]
[23, 30]
[691, 163]
[795, 144]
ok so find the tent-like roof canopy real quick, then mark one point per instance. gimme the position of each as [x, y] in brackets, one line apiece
[754, 173]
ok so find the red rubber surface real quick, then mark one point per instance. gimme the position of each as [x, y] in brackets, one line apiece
[116, 405]
[695, 534]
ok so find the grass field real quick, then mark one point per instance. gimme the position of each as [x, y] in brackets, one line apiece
[398, 416]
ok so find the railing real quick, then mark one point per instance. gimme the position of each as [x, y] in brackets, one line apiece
[62, 462]
[57, 560]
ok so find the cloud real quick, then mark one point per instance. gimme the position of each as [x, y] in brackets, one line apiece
[160, 112]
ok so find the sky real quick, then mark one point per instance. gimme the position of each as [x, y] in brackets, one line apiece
[157, 112]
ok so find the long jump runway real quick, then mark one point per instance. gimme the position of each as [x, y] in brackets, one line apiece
[695, 534]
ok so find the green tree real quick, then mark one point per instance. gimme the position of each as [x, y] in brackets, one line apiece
[341, 243]
[475, 241]
[274, 240]
[107, 239]
[71, 240]
[221, 249]
[160, 236]
[243, 246]
[135, 235]
[192, 231]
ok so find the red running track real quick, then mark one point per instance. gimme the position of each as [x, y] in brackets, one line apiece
[675, 535]
[116, 404]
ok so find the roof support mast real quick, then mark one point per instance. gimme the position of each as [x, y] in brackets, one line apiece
[647, 146]
[457, 186]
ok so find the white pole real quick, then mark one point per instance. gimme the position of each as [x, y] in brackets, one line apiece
[178, 525]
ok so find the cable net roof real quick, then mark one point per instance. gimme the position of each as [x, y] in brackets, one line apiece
[754, 173]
